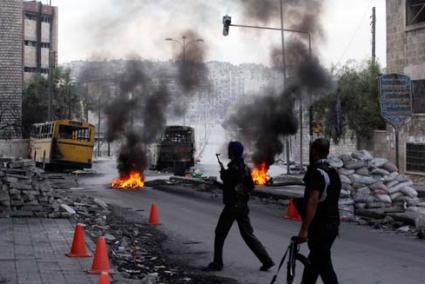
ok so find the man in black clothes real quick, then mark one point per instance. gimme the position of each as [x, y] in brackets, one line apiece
[237, 183]
[321, 215]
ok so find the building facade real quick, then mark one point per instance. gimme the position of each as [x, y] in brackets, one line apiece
[11, 68]
[40, 35]
[406, 54]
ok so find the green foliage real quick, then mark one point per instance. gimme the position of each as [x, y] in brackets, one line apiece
[65, 100]
[358, 95]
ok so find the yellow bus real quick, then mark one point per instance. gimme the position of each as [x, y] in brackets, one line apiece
[64, 143]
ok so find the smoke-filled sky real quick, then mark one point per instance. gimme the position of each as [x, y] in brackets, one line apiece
[116, 28]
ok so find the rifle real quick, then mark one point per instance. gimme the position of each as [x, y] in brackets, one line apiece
[219, 162]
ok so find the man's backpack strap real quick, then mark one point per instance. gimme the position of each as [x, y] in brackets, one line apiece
[327, 183]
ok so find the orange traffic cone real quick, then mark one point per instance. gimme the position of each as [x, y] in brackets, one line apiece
[78, 248]
[101, 260]
[154, 218]
[293, 212]
[104, 278]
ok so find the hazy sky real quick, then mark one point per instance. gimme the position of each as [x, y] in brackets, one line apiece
[117, 28]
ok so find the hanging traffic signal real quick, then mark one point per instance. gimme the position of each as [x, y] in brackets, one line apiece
[227, 21]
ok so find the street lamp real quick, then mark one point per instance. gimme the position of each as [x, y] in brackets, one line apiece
[185, 44]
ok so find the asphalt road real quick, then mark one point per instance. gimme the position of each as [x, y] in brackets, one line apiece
[361, 255]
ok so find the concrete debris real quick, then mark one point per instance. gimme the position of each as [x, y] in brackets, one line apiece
[26, 191]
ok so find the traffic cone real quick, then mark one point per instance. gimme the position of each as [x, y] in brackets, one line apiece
[292, 212]
[104, 278]
[101, 260]
[154, 218]
[78, 248]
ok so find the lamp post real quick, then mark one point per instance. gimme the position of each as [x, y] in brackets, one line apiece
[227, 22]
[185, 44]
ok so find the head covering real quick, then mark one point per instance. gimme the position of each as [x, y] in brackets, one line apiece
[236, 148]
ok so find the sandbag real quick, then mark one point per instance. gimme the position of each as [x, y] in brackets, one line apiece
[363, 179]
[407, 190]
[399, 186]
[379, 186]
[363, 171]
[362, 155]
[346, 186]
[335, 162]
[383, 198]
[377, 162]
[402, 178]
[390, 166]
[380, 172]
[346, 172]
[391, 183]
[362, 195]
[345, 179]
[354, 164]
[390, 177]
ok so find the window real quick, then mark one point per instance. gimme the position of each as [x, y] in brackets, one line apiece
[418, 96]
[415, 157]
[75, 133]
[415, 12]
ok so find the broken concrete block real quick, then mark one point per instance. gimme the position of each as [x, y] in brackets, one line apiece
[68, 209]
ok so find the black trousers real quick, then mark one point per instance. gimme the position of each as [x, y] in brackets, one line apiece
[320, 244]
[225, 222]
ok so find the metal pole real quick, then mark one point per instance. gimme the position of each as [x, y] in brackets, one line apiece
[98, 126]
[397, 148]
[184, 62]
[373, 35]
[282, 33]
[50, 88]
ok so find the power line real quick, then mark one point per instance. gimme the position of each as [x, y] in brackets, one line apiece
[355, 33]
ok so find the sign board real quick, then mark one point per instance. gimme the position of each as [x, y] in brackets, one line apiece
[395, 99]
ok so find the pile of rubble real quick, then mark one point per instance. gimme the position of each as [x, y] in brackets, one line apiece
[369, 182]
[26, 192]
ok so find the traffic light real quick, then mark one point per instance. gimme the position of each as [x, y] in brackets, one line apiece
[227, 21]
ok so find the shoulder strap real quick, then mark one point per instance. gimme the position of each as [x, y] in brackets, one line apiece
[327, 182]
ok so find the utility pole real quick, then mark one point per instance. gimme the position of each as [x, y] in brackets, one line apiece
[50, 87]
[282, 32]
[373, 35]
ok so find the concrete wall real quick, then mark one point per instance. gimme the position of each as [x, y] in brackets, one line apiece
[15, 148]
[405, 54]
[11, 68]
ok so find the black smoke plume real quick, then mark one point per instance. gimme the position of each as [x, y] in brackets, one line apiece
[136, 115]
[192, 71]
[263, 123]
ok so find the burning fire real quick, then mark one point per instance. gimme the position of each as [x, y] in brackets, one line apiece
[133, 180]
[259, 174]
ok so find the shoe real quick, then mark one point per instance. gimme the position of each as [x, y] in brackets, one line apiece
[213, 267]
[267, 266]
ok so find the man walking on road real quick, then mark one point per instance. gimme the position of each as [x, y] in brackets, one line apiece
[237, 183]
[321, 216]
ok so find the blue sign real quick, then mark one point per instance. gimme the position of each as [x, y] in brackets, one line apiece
[395, 99]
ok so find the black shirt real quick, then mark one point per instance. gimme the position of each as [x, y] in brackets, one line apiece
[236, 174]
[315, 179]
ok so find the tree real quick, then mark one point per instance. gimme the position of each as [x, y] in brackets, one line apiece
[65, 100]
[354, 105]
[34, 103]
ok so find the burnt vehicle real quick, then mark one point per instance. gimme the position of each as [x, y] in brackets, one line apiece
[176, 149]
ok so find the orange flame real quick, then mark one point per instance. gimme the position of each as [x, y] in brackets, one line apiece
[133, 180]
[259, 174]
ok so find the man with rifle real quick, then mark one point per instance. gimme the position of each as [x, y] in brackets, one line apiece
[237, 184]
[320, 214]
